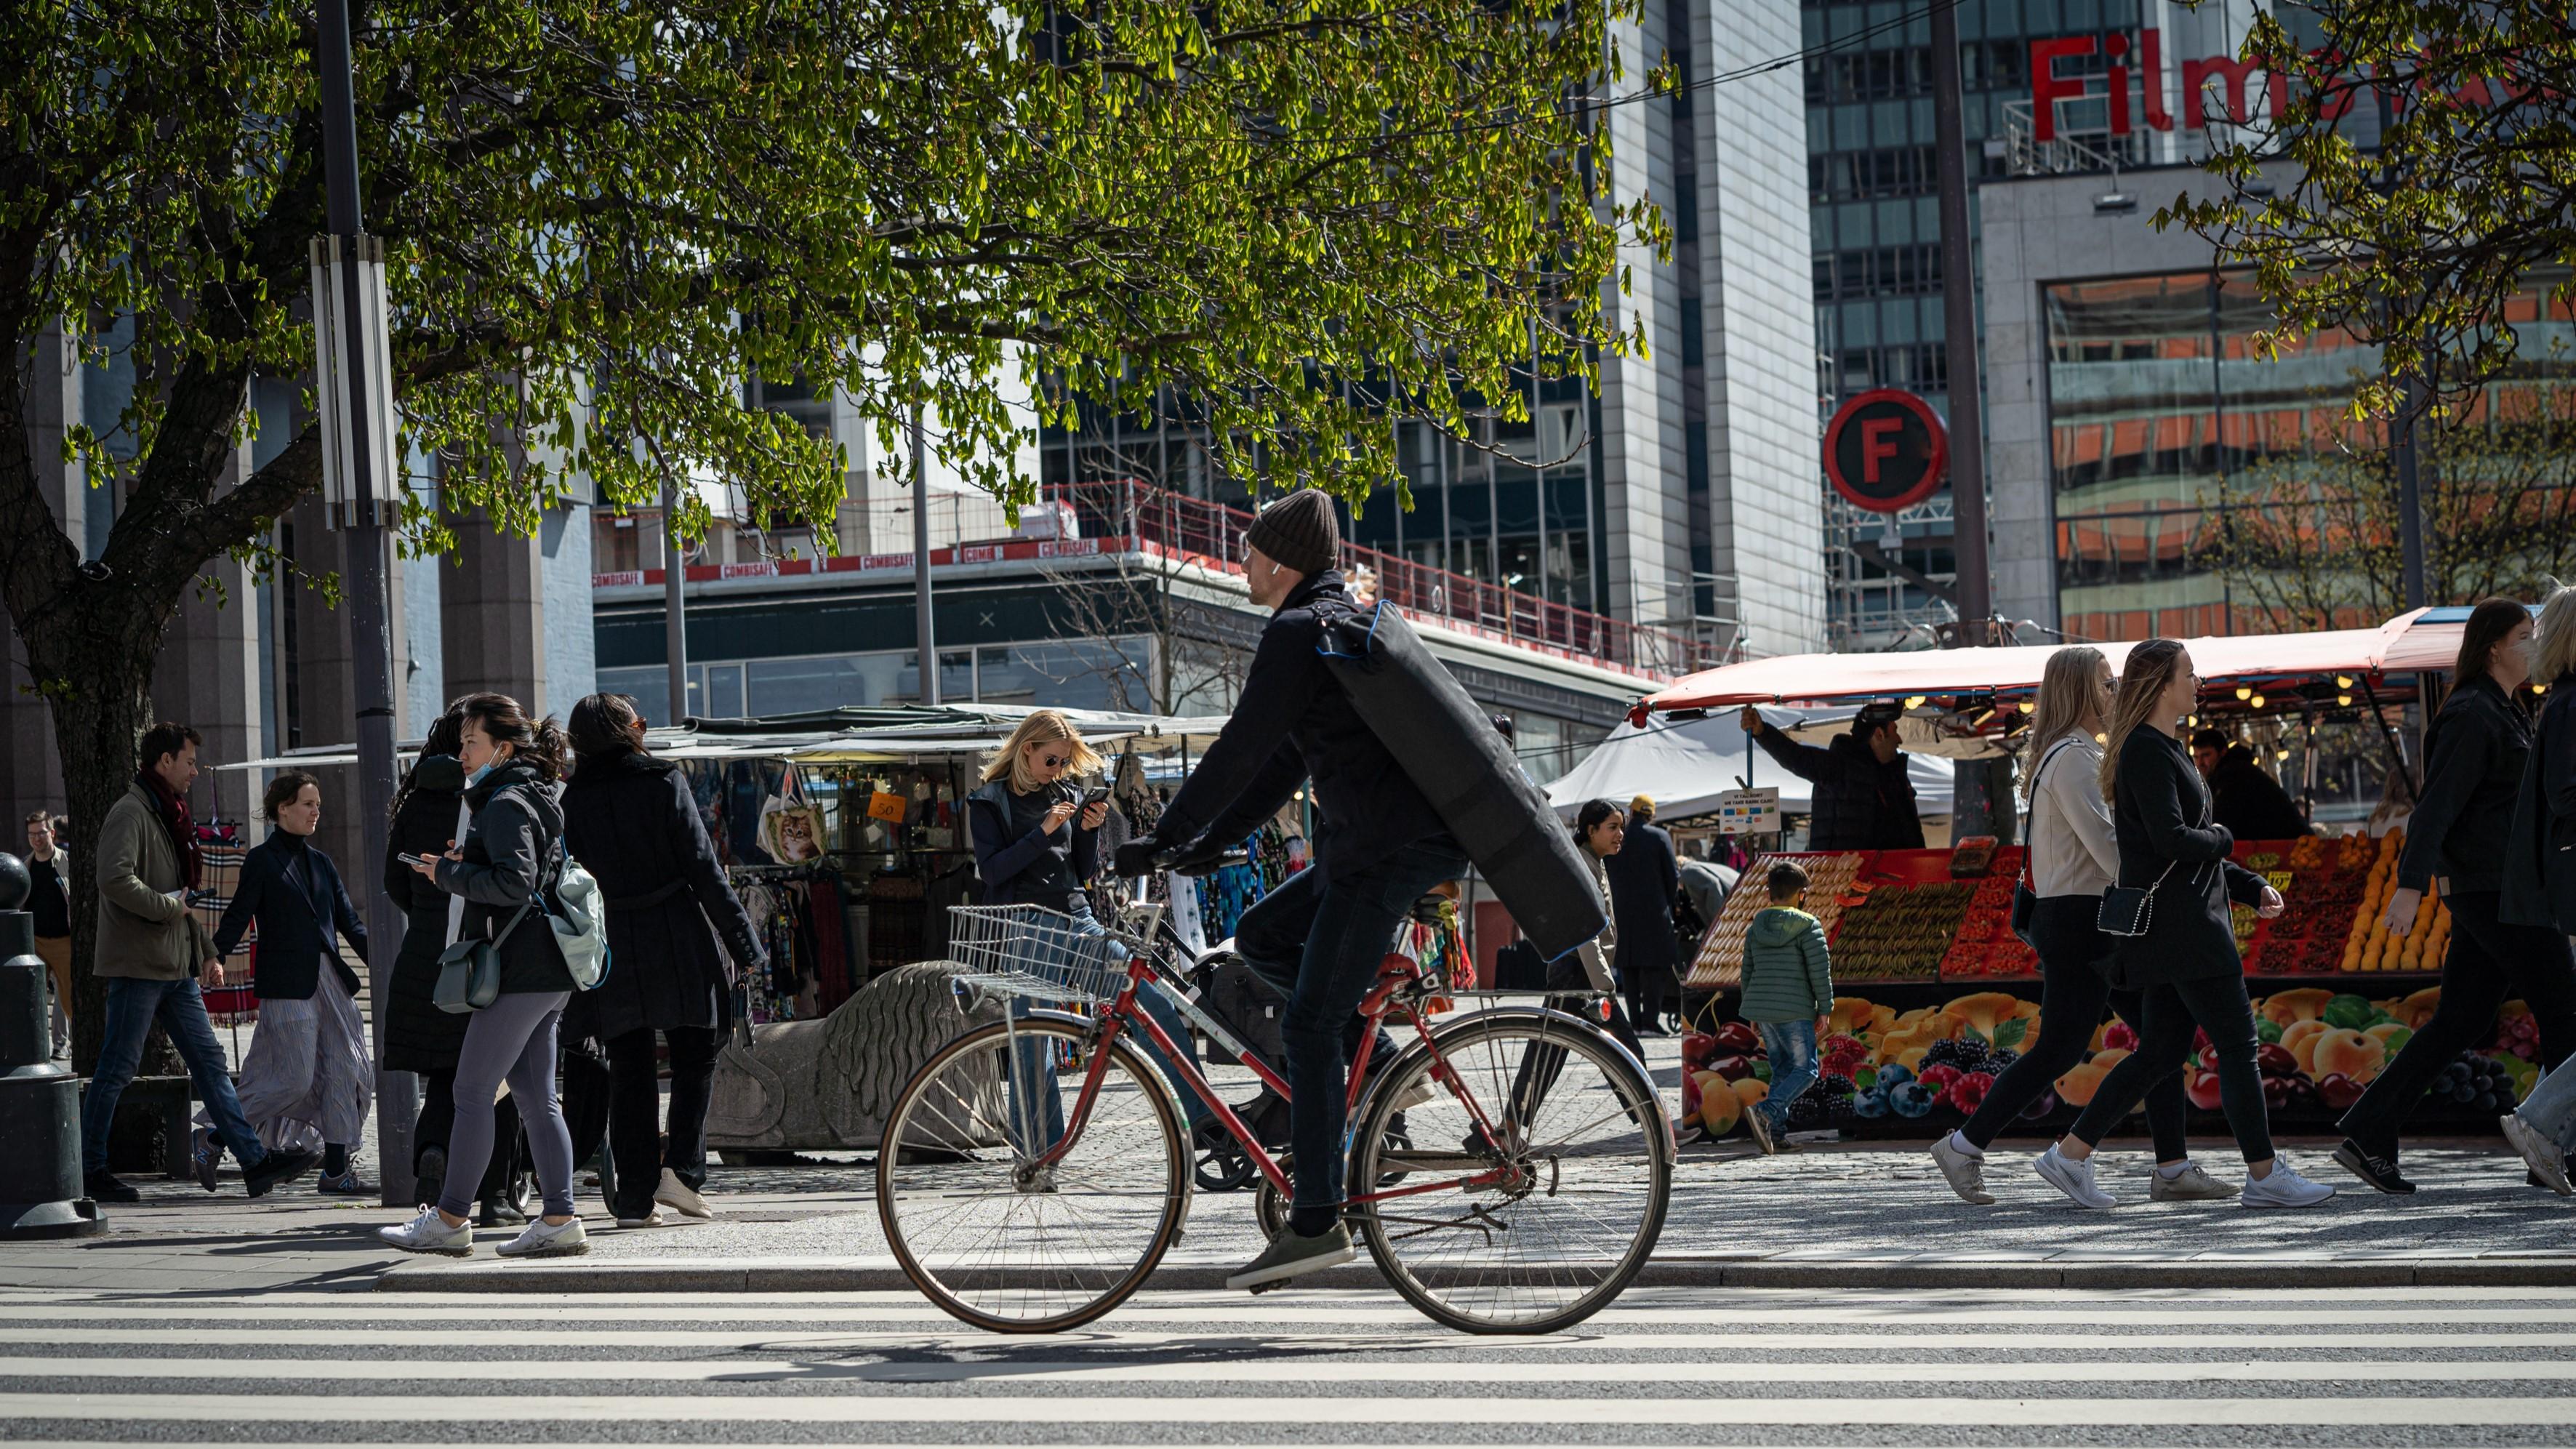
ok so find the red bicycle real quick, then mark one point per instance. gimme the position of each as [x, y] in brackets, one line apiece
[1510, 1168]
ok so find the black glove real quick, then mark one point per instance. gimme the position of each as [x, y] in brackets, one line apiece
[1136, 858]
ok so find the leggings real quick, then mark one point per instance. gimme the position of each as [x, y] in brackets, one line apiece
[2072, 994]
[2219, 1006]
[514, 1037]
[438, 1122]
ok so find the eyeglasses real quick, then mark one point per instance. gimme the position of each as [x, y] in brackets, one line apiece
[1052, 761]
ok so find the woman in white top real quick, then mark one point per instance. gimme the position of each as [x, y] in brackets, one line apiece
[2072, 861]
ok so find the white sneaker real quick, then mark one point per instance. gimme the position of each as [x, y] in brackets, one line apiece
[2283, 1189]
[429, 1233]
[681, 1198]
[652, 1219]
[542, 1240]
[2075, 1179]
[2538, 1153]
[1415, 1095]
[1965, 1170]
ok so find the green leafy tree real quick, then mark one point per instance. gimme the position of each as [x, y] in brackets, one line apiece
[2434, 178]
[601, 218]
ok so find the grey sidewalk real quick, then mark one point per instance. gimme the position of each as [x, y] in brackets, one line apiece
[1821, 1217]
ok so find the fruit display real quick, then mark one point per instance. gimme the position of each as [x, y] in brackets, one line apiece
[1719, 962]
[1899, 932]
[2368, 946]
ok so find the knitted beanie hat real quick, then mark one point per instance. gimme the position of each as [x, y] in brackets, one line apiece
[1299, 531]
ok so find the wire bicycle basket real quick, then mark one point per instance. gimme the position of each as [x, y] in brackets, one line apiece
[1037, 953]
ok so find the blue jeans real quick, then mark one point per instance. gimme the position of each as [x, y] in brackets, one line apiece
[1320, 941]
[1044, 1107]
[1792, 1045]
[132, 1006]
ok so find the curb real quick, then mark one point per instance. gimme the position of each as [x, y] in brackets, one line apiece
[865, 1276]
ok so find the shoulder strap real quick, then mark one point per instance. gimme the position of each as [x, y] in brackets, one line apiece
[2031, 812]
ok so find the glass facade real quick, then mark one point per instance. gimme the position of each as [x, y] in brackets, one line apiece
[1113, 674]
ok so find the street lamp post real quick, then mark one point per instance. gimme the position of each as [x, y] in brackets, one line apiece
[363, 454]
[925, 638]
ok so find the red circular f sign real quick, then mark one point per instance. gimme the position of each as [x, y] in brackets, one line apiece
[1886, 450]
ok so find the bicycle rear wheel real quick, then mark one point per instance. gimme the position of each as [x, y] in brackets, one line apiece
[1002, 1244]
[1590, 1169]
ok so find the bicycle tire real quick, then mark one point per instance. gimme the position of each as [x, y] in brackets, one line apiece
[1008, 1280]
[1622, 1156]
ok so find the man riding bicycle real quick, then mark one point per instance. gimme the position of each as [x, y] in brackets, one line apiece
[1379, 847]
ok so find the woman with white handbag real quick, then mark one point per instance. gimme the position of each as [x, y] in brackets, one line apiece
[2175, 944]
[503, 870]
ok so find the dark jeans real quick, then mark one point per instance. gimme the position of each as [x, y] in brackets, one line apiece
[2218, 1006]
[2072, 993]
[438, 1121]
[132, 1006]
[1540, 1065]
[635, 1112]
[2488, 961]
[1320, 941]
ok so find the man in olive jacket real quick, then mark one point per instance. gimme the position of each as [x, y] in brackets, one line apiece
[150, 947]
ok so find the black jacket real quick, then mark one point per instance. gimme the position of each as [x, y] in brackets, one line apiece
[293, 890]
[1010, 865]
[1860, 804]
[1293, 722]
[2539, 867]
[509, 856]
[2161, 820]
[2249, 802]
[2473, 757]
[1645, 880]
[633, 823]
[418, 1036]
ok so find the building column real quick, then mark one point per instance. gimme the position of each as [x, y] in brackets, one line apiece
[492, 607]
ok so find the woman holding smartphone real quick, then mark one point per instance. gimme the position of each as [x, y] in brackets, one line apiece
[1037, 843]
[2182, 957]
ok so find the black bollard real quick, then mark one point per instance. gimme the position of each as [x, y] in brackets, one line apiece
[40, 1137]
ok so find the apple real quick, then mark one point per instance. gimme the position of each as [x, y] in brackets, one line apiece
[2202, 1088]
[2275, 1062]
[2276, 1093]
[1698, 1049]
[1739, 1038]
[2338, 1091]
[1733, 1068]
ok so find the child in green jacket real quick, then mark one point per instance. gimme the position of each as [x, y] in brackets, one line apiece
[1788, 997]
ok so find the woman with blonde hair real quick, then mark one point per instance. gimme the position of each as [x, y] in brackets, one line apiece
[1036, 837]
[2540, 873]
[2072, 860]
[2178, 950]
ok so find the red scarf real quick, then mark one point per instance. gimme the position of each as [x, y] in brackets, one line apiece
[180, 825]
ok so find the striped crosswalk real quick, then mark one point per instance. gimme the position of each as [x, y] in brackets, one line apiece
[1666, 1366]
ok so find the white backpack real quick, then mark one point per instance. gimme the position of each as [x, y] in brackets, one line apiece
[580, 925]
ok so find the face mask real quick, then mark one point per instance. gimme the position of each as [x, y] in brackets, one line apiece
[476, 778]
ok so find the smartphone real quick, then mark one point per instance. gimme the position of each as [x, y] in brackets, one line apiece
[409, 859]
[1095, 795]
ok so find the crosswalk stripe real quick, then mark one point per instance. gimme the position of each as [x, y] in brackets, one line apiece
[1947, 1410]
[1734, 1340]
[791, 1373]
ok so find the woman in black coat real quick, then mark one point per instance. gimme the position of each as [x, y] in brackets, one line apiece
[2539, 876]
[2184, 964]
[631, 820]
[428, 814]
[2473, 769]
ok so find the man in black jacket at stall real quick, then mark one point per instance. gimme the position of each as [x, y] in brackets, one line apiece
[1379, 846]
[1645, 882]
[2248, 801]
[1864, 795]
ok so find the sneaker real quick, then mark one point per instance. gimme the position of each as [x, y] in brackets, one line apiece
[496, 1212]
[2075, 1179]
[2189, 1185]
[652, 1219]
[1759, 1124]
[430, 1233]
[2548, 1165]
[1414, 1096]
[278, 1167]
[343, 1183]
[1966, 1171]
[1290, 1256]
[545, 1240]
[2285, 1189]
[2380, 1172]
[1685, 1136]
[205, 1154]
[105, 1187]
[681, 1198]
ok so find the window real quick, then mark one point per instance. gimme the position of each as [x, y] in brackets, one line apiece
[1070, 674]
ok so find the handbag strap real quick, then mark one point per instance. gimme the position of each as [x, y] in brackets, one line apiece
[554, 871]
[2030, 815]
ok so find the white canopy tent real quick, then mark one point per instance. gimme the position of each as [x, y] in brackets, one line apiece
[1686, 764]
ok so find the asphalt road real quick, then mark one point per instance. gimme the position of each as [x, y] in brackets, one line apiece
[1666, 1366]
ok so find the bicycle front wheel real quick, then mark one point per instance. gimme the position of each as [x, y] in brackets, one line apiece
[994, 1238]
[1536, 1232]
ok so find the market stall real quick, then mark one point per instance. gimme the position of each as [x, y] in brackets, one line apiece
[1935, 995]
